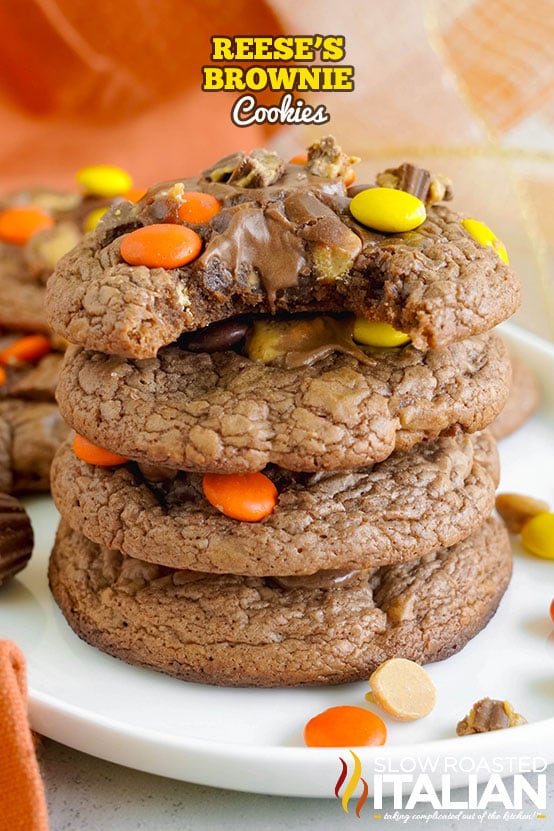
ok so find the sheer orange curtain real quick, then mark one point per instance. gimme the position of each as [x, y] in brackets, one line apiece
[117, 83]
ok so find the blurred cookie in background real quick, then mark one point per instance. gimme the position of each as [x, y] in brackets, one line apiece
[37, 227]
[523, 400]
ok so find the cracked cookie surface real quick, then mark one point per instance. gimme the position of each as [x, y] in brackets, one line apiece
[289, 246]
[224, 413]
[239, 631]
[415, 502]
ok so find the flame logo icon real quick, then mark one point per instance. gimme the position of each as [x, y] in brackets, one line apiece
[351, 785]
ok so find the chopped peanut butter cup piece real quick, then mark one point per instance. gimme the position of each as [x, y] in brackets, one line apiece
[487, 715]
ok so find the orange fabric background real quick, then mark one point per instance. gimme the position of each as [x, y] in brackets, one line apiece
[22, 806]
[81, 84]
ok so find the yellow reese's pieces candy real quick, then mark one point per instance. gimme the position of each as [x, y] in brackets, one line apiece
[104, 180]
[377, 333]
[388, 210]
[483, 234]
[537, 535]
[93, 218]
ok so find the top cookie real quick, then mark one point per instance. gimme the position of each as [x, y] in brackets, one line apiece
[283, 240]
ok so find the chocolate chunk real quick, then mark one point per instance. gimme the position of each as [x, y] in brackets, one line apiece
[355, 189]
[324, 580]
[408, 177]
[415, 180]
[16, 537]
[219, 337]
[303, 341]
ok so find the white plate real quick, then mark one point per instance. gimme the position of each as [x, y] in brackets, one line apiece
[250, 739]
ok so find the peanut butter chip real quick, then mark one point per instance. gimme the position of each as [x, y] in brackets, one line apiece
[515, 509]
[403, 689]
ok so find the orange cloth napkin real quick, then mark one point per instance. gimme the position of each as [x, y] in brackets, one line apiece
[22, 801]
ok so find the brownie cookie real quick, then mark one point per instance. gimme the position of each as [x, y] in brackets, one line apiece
[37, 382]
[31, 428]
[30, 434]
[414, 502]
[224, 413]
[16, 537]
[25, 266]
[283, 240]
[523, 400]
[35, 379]
[22, 304]
[239, 631]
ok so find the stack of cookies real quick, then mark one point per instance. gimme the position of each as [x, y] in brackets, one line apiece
[37, 227]
[282, 474]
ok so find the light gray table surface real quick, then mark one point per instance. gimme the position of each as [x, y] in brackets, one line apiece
[88, 794]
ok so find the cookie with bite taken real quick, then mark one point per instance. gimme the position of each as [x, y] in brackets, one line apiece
[253, 235]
